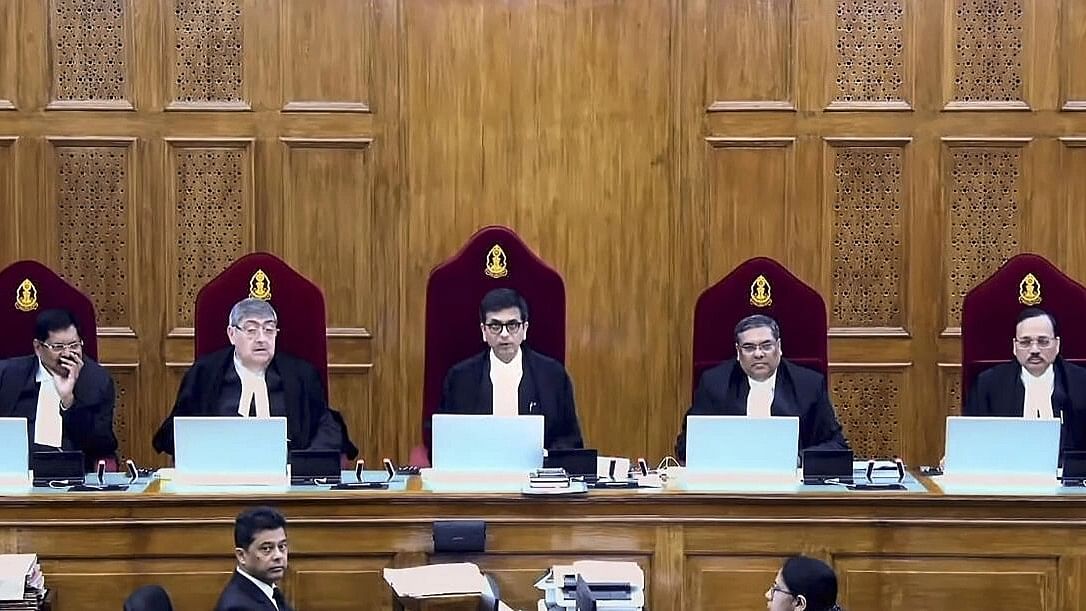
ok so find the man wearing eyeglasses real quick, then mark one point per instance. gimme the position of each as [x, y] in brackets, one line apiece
[758, 383]
[511, 379]
[1038, 383]
[66, 397]
[251, 380]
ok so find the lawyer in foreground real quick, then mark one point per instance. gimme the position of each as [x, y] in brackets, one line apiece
[803, 584]
[1038, 383]
[260, 546]
[66, 397]
[252, 380]
[508, 379]
[758, 383]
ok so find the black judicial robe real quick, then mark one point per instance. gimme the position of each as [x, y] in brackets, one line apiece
[240, 594]
[545, 388]
[211, 388]
[723, 390]
[87, 425]
[998, 391]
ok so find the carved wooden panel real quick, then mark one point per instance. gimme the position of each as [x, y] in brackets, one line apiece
[988, 52]
[1073, 50]
[869, 216]
[92, 193]
[9, 247]
[982, 192]
[125, 380]
[333, 176]
[328, 54]
[750, 186]
[1072, 169]
[750, 55]
[974, 584]
[728, 583]
[868, 405]
[208, 62]
[211, 202]
[89, 42]
[870, 53]
[950, 389]
[9, 51]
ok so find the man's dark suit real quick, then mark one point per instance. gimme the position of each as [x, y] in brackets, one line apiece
[723, 390]
[241, 594]
[87, 424]
[999, 391]
[545, 388]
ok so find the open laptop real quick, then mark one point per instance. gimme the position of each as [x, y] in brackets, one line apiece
[463, 442]
[760, 447]
[212, 451]
[14, 453]
[998, 450]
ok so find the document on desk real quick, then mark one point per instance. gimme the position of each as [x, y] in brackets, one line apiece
[14, 569]
[436, 579]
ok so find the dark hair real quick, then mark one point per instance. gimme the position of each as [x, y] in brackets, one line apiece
[757, 320]
[814, 580]
[256, 520]
[56, 319]
[1034, 313]
[500, 299]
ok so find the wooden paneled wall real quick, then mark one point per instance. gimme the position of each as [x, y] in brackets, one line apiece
[890, 152]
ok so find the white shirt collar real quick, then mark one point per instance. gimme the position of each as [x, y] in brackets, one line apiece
[266, 588]
[1048, 378]
[244, 371]
[512, 366]
[42, 374]
[771, 381]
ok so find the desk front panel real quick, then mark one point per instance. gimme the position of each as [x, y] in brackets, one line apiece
[699, 551]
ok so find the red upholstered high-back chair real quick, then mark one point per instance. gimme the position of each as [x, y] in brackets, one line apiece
[495, 257]
[298, 302]
[760, 286]
[27, 288]
[990, 310]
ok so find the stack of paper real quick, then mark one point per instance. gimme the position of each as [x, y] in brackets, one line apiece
[22, 584]
[624, 589]
[436, 580]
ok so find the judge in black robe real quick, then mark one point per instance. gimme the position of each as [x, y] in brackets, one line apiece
[802, 392]
[998, 391]
[87, 425]
[85, 394]
[211, 387]
[545, 389]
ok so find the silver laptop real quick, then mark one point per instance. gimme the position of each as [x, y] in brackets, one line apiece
[464, 442]
[739, 444]
[981, 446]
[14, 452]
[230, 451]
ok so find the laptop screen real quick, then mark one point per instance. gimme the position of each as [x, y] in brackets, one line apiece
[487, 443]
[986, 446]
[742, 444]
[217, 445]
[14, 447]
